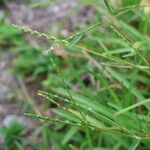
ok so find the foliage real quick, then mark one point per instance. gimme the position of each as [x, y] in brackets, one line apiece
[101, 98]
[12, 136]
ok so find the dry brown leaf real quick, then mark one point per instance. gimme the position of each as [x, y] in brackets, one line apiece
[60, 51]
[146, 3]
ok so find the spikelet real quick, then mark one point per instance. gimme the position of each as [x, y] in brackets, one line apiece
[39, 34]
[46, 118]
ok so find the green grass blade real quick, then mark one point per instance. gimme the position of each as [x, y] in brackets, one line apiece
[144, 102]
